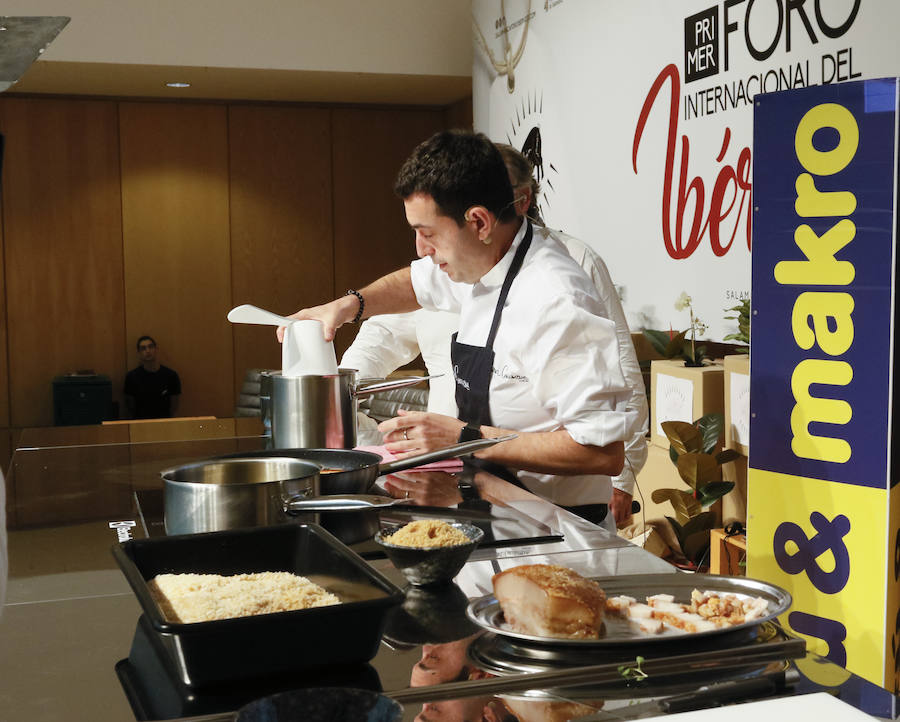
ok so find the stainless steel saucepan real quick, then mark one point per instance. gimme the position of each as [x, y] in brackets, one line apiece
[234, 493]
[320, 411]
[257, 488]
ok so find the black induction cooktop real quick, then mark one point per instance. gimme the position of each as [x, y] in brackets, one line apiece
[502, 526]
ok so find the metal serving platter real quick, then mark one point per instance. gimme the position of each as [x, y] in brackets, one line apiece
[486, 613]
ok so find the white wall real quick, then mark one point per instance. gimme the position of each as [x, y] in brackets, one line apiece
[417, 37]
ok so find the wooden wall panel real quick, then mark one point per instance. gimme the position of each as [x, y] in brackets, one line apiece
[176, 245]
[281, 233]
[4, 360]
[459, 115]
[10, 487]
[63, 245]
[371, 236]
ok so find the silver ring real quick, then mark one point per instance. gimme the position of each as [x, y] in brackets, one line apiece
[406, 436]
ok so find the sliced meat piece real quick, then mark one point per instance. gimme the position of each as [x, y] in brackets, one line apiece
[550, 601]
[618, 606]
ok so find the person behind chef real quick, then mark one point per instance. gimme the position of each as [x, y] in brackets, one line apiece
[549, 372]
[387, 342]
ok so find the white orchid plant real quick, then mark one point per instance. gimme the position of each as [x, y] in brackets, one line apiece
[670, 344]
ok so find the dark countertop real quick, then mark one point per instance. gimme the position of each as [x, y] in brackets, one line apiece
[70, 618]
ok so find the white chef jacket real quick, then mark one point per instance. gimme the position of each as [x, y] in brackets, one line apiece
[384, 343]
[556, 363]
[636, 444]
[387, 342]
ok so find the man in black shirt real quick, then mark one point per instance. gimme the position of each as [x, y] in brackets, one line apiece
[151, 390]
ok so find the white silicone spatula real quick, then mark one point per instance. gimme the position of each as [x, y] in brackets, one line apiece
[252, 314]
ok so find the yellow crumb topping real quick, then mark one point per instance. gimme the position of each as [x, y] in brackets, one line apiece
[204, 597]
[428, 533]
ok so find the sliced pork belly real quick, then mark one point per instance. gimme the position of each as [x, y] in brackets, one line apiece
[550, 601]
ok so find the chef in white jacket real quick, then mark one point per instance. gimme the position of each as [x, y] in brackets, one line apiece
[384, 343]
[534, 353]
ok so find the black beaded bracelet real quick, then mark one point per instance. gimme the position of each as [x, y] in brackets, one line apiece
[362, 304]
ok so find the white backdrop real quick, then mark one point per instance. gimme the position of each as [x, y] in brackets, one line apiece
[582, 70]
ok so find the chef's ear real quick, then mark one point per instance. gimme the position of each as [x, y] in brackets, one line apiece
[482, 218]
[522, 200]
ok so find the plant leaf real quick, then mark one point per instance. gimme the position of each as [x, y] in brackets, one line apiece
[695, 546]
[696, 535]
[711, 427]
[673, 455]
[726, 455]
[658, 339]
[704, 521]
[714, 491]
[683, 502]
[678, 529]
[674, 346]
[683, 436]
[698, 469]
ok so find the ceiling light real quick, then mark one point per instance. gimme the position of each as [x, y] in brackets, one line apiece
[178, 84]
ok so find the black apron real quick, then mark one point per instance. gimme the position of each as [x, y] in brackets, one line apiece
[472, 367]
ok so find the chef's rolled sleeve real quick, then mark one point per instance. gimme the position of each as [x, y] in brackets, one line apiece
[576, 371]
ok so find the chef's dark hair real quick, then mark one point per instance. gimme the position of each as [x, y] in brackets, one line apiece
[521, 174]
[459, 169]
[144, 338]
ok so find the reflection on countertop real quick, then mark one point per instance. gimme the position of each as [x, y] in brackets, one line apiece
[74, 647]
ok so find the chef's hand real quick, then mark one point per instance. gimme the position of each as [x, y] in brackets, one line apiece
[333, 315]
[418, 432]
[620, 506]
[425, 488]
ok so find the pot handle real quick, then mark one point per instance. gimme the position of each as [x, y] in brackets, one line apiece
[340, 502]
[361, 391]
[448, 452]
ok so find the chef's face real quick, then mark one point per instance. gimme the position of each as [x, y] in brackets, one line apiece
[457, 251]
[454, 710]
[440, 663]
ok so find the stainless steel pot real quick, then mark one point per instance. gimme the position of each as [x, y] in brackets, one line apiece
[233, 493]
[261, 487]
[319, 412]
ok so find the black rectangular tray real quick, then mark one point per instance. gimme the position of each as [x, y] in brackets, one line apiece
[205, 653]
[156, 693]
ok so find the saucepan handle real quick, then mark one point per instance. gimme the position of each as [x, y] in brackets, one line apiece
[340, 502]
[449, 452]
[361, 391]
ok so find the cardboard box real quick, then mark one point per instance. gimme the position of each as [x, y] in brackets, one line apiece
[734, 503]
[658, 473]
[683, 393]
[737, 403]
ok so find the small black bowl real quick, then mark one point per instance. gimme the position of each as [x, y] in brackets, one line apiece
[431, 565]
[430, 615]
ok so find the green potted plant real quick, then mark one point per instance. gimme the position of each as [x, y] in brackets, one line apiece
[742, 316]
[692, 448]
[673, 345]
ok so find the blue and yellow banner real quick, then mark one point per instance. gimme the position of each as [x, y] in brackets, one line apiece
[822, 515]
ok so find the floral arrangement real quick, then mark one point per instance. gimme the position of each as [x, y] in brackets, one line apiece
[742, 311]
[671, 345]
